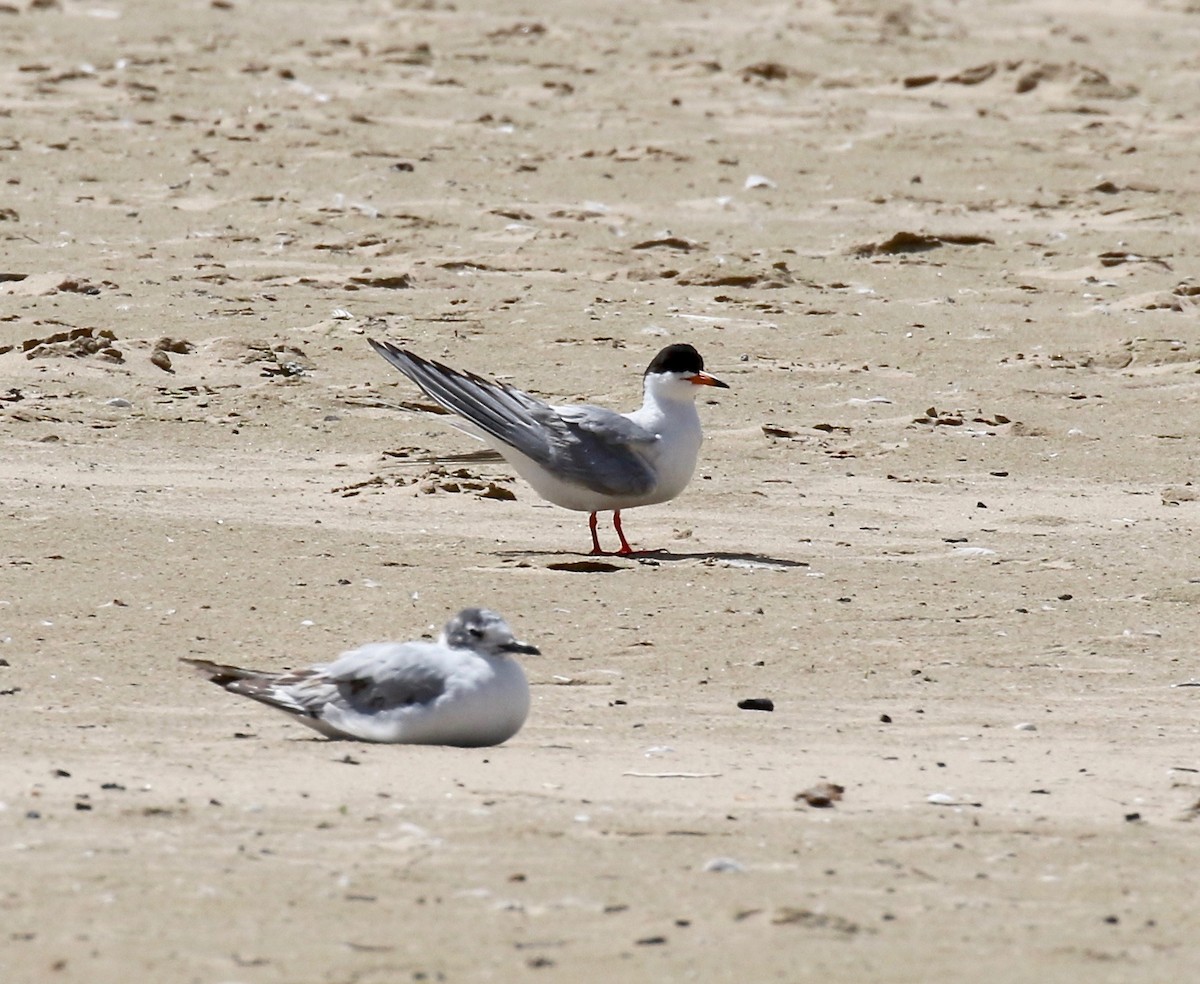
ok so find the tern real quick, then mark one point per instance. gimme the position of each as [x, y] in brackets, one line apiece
[581, 457]
[465, 689]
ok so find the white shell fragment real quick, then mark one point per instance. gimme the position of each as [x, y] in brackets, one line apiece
[722, 865]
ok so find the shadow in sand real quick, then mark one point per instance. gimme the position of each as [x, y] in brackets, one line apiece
[732, 558]
[607, 563]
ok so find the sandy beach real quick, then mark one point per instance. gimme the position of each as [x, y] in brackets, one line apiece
[946, 257]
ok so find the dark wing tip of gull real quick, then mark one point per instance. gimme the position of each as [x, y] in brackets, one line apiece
[221, 674]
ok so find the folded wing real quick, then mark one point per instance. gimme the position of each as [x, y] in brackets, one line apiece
[386, 675]
[584, 445]
[303, 692]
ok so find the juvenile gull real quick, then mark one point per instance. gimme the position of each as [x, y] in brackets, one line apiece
[581, 457]
[465, 689]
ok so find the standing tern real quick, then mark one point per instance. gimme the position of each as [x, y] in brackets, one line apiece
[465, 689]
[581, 457]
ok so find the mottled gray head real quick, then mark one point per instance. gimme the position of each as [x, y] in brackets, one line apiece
[484, 630]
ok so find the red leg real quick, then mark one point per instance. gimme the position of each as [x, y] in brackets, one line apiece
[625, 547]
[595, 539]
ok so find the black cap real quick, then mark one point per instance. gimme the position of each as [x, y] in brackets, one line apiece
[680, 357]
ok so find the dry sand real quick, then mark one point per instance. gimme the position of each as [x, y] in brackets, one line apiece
[946, 256]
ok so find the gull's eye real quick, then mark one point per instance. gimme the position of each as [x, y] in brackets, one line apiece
[475, 632]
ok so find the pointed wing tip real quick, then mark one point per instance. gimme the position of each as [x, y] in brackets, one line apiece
[222, 674]
[401, 359]
[205, 667]
[384, 348]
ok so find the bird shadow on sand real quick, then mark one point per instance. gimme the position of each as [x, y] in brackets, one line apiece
[607, 563]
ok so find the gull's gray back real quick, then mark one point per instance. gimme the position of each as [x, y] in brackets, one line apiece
[389, 674]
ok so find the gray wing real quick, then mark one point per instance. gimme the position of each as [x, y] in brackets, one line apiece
[384, 675]
[598, 449]
[302, 692]
[588, 446]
